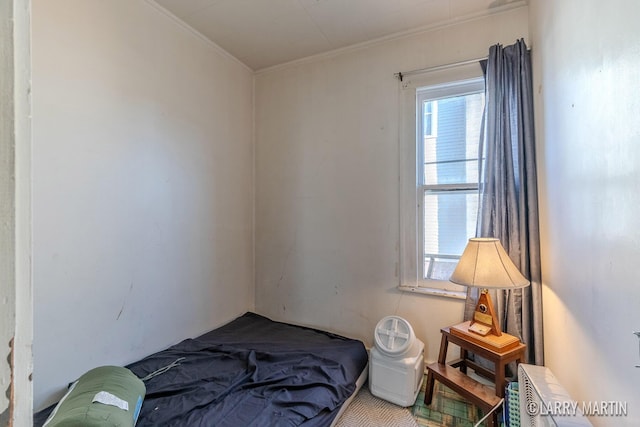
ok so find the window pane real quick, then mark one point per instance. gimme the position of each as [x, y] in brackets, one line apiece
[429, 118]
[438, 268]
[451, 153]
[449, 222]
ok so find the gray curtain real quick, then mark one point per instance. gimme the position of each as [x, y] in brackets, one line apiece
[508, 205]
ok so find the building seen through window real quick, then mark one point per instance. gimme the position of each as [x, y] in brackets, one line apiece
[447, 173]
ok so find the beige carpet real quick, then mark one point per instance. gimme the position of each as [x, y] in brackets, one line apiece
[367, 410]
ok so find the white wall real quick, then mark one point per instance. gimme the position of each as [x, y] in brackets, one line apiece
[587, 57]
[142, 186]
[327, 189]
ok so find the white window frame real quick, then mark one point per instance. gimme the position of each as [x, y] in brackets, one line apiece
[462, 80]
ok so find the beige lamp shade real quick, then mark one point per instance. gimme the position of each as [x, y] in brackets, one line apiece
[485, 264]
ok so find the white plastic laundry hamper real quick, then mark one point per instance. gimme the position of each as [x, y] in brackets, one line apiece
[396, 365]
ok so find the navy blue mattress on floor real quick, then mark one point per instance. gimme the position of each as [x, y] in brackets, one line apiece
[250, 372]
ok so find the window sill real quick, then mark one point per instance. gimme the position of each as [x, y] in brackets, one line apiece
[432, 291]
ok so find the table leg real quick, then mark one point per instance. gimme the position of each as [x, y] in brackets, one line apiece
[492, 421]
[500, 381]
[442, 358]
[444, 344]
[428, 390]
[463, 357]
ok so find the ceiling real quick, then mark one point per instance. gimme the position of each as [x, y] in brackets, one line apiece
[264, 33]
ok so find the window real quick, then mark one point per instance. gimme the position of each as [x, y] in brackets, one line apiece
[439, 148]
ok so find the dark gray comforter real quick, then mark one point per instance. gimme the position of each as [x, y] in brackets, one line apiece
[251, 372]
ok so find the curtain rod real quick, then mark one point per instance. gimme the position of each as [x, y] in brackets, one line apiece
[401, 74]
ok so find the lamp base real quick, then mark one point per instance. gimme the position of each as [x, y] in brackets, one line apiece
[484, 319]
[500, 343]
[480, 329]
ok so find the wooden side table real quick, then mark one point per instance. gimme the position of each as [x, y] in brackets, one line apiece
[499, 350]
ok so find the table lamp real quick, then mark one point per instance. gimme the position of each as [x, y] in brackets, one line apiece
[485, 264]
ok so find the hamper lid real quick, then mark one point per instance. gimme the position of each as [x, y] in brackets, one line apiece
[393, 336]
